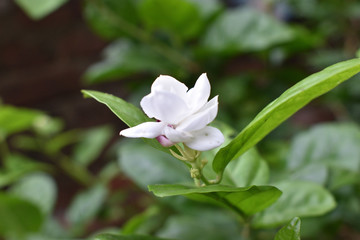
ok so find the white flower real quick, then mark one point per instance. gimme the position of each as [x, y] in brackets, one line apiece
[182, 115]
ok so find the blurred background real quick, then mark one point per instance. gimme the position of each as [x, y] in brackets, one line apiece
[62, 161]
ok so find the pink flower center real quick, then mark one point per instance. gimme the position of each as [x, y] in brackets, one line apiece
[164, 141]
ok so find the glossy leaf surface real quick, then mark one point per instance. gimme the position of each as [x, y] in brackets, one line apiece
[290, 231]
[302, 199]
[247, 200]
[283, 107]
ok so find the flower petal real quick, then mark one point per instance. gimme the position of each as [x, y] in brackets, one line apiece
[206, 139]
[145, 130]
[199, 94]
[165, 106]
[164, 141]
[169, 84]
[176, 136]
[199, 120]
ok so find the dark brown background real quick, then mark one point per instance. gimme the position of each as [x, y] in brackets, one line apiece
[42, 62]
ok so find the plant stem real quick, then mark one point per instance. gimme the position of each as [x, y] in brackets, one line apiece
[246, 231]
[77, 172]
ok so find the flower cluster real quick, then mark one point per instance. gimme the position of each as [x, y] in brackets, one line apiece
[182, 115]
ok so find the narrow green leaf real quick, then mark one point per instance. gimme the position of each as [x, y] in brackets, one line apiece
[290, 231]
[302, 199]
[37, 9]
[283, 107]
[247, 200]
[107, 236]
[127, 112]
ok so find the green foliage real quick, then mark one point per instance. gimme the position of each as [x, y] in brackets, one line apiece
[37, 9]
[301, 199]
[21, 119]
[146, 165]
[100, 16]
[91, 144]
[251, 55]
[290, 231]
[219, 225]
[85, 206]
[19, 216]
[124, 58]
[129, 237]
[127, 112]
[158, 15]
[38, 188]
[332, 145]
[247, 200]
[253, 31]
[250, 169]
[283, 107]
[17, 166]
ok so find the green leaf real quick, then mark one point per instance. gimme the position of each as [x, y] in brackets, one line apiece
[302, 199]
[108, 17]
[123, 58]
[85, 206]
[245, 29]
[63, 139]
[107, 236]
[16, 166]
[48, 126]
[249, 169]
[37, 9]
[326, 148]
[38, 188]
[145, 165]
[13, 119]
[211, 224]
[178, 17]
[283, 107]
[18, 216]
[91, 145]
[127, 112]
[247, 200]
[209, 9]
[134, 224]
[335, 145]
[291, 231]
